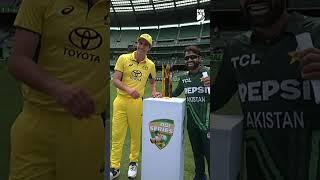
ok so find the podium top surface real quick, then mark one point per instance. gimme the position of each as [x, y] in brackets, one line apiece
[225, 121]
[174, 99]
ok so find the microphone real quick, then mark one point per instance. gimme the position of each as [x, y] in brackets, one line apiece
[205, 74]
[304, 41]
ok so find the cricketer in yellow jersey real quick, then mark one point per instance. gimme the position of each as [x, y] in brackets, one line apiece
[60, 54]
[130, 77]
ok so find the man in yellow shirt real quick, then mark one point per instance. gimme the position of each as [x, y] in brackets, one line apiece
[61, 55]
[130, 77]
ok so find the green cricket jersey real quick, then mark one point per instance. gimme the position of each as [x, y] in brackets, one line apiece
[197, 97]
[281, 119]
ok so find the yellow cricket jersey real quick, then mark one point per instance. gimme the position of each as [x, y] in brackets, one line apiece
[134, 74]
[74, 46]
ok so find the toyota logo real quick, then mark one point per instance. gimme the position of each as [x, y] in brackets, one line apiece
[136, 73]
[85, 38]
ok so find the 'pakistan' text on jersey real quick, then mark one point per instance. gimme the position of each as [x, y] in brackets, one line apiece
[281, 119]
[197, 98]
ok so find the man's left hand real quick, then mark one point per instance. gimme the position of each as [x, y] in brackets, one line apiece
[206, 81]
[156, 95]
[310, 63]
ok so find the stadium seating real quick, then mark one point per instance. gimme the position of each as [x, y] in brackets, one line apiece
[168, 45]
[6, 40]
[164, 37]
[9, 3]
[153, 32]
[9, 6]
[205, 31]
[168, 34]
[205, 34]
[115, 37]
[127, 37]
[189, 32]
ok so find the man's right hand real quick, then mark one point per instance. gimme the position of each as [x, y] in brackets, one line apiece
[75, 100]
[133, 93]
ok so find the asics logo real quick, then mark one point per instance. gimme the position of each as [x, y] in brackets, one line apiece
[67, 10]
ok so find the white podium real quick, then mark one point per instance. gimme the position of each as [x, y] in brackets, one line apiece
[225, 146]
[162, 139]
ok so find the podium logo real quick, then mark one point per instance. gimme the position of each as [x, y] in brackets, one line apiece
[161, 131]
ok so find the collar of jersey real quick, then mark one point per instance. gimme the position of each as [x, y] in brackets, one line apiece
[133, 59]
[85, 3]
[200, 70]
[98, 2]
[295, 25]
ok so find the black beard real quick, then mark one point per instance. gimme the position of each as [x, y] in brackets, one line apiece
[195, 66]
[276, 10]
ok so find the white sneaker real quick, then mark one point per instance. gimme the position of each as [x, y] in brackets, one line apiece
[114, 173]
[133, 170]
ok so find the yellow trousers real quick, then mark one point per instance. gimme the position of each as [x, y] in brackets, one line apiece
[127, 112]
[55, 146]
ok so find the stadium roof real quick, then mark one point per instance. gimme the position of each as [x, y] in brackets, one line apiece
[160, 26]
[137, 13]
[151, 5]
[154, 12]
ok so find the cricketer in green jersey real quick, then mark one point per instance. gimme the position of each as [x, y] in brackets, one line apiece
[195, 85]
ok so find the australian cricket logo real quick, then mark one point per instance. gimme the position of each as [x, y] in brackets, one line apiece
[161, 131]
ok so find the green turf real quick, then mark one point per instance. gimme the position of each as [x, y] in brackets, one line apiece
[10, 106]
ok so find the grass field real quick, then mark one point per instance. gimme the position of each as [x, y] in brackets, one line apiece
[10, 106]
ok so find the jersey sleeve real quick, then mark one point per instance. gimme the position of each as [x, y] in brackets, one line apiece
[153, 71]
[120, 64]
[225, 84]
[179, 89]
[31, 15]
[316, 33]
